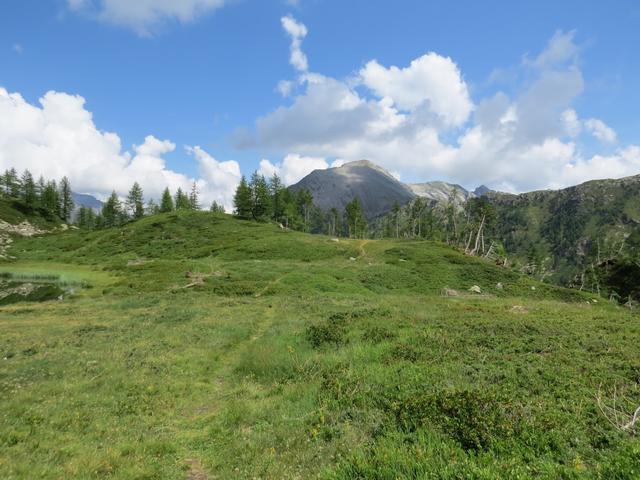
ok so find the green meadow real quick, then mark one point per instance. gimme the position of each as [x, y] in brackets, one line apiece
[196, 346]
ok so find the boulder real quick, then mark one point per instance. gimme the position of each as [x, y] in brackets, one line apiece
[475, 289]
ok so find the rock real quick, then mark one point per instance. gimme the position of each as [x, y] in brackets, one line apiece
[518, 309]
[499, 286]
[402, 260]
[449, 292]
[533, 288]
[353, 259]
[475, 289]
[335, 240]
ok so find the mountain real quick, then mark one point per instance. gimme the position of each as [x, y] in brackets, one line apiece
[441, 191]
[376, 188]
[481, 191]
[85, 200]
[572, 230]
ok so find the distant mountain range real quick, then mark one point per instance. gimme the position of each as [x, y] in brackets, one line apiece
[560, 233]
[85, 200]
[376, 188]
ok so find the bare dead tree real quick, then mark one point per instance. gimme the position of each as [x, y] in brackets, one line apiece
[616, 409]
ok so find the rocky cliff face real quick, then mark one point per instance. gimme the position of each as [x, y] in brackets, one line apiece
[441, 191]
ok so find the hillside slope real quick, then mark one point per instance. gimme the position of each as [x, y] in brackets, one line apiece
[567, 230]
[201, 346]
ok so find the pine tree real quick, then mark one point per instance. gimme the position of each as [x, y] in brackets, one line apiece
[66, 199]
[41, 185]
[276, 188]
[28, 193]
[166, 204]
[216, 208]
[81, 219]
[152, 207]
[86, 218]
[50, 200]
[194, 203]
[356, 223]
[12, 183]
[242, 201]
[112, 211]
[261, 208]
[182, 200]
[135, 202]
[334, 223]
[304, 200]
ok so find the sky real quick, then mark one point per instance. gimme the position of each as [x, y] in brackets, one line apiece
[514, 95]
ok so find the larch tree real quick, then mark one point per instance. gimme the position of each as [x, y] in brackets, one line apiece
[166, 203]
[66, 199]
[135, 202]
[242, 202]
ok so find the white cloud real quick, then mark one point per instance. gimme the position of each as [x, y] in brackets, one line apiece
[572, 124]
[296, 31]
[293, 167]
[600, 130]
[430, 80]
[145, 16]
[285, 87]
[416, 121]
[59, 138]
[560, 50]
[218, 179]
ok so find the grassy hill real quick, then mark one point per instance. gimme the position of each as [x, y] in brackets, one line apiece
[199, 346]
[14, 212]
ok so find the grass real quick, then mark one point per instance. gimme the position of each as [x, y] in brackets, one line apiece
[287, 359]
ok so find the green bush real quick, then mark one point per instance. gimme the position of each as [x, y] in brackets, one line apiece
[474, 419]
[332, 331]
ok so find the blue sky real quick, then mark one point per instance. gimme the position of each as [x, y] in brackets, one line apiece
[204, 76]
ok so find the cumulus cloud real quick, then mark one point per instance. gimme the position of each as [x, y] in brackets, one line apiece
[419, 120]
[600, 130]
[430, 80]
[293, 167]
[144, 16]
[59, 138]
[296, 31]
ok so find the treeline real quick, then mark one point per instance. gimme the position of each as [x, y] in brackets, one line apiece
[115, 212]
[52, 199]
[269, 200]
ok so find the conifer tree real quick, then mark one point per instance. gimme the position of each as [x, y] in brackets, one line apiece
[152, 207]
[242, 201]
[135, 202]
[28, 194]
[276, 188]
[49, 199]
[112, 211]
[66, 199]
[334, 223]
[194, 203]
[356, 224]
[182, 200]
[166, 204]
[304, 200]
[41, 184]
[216, 208]
[12, 183]
[261, 208]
